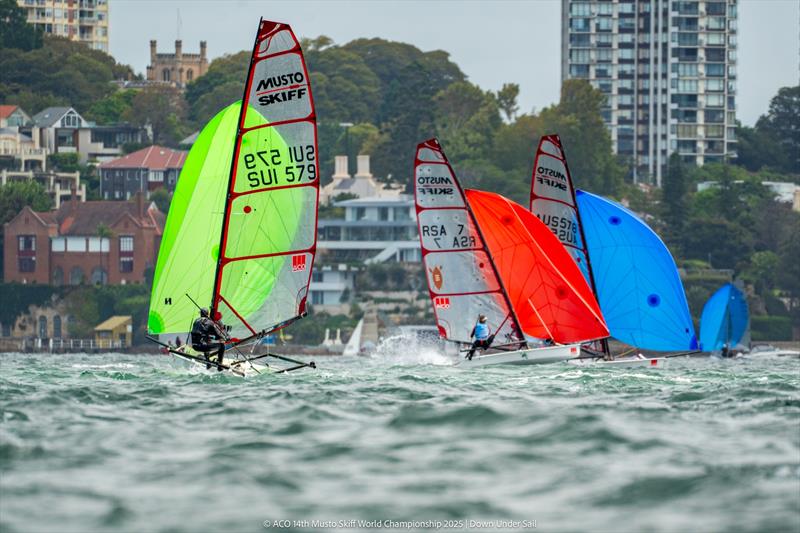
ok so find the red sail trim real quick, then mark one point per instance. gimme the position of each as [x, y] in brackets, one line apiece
[551, 297]
[267, 29]
[278, 188]
[241, 319]
[276, 254]
[434, 146]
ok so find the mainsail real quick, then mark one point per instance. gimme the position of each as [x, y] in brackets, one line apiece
[546, 288]
[248, 246]
[552, 199]
[462, 279]
[725, 319]
[637, 281]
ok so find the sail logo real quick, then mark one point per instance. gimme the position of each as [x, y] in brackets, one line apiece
[552, 178]
[436, 276]
[441, 302]
[283, 80]
[284, 96]
[435, 185]
[298, 262]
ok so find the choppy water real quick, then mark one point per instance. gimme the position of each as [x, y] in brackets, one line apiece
[128, 443]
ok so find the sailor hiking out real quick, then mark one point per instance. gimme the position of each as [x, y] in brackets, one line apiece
[208, 336]
[482, 337]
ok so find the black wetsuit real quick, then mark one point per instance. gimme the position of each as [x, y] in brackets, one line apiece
[205, 334]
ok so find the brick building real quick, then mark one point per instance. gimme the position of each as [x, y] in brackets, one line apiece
[83, 242]
[143, 171]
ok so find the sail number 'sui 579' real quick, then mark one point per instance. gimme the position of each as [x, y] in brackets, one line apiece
[275, 167]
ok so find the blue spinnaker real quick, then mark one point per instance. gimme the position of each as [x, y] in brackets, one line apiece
[638, 286]
[724, 320]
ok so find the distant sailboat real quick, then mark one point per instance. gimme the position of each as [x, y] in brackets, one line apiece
[484, 254]
[242, 228]
[630, 269]
[725, 322]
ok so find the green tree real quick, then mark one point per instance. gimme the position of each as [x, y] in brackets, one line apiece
[782, 123]
[112, 108]
[67, 162]
[507, 100]
[674, 194]
[162, 198]
[466, 119]
[15, 32]
[163, 109]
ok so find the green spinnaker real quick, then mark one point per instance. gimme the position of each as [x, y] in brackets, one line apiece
[264, 222]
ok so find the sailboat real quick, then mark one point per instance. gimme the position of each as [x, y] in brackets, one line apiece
[725, 322]
[484, 254]
[629, 268]
[241, 232]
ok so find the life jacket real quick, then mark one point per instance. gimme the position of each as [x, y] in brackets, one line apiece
[481, 331]
[202, 330]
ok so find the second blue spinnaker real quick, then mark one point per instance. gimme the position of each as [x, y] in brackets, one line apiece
[725, 319]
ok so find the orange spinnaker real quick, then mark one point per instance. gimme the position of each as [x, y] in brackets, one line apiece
[545, 286]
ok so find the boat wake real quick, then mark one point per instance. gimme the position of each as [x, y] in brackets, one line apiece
[408, 349]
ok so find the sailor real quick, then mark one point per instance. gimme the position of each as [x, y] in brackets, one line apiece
[726, 352]
[481, 334]
[206, 335]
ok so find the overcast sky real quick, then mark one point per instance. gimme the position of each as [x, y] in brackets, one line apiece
[493, 42]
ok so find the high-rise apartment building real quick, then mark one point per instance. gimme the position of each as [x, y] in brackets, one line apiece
[78, 20]
[668, 70]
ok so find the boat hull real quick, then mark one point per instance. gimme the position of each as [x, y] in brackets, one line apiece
[235, 368]
[637, 361]
[531, 356]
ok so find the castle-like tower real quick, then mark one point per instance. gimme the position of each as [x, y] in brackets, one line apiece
[179, 68]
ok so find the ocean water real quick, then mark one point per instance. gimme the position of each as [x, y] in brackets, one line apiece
[402, 441]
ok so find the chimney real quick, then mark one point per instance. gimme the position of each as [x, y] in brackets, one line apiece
[363, 167]
[178, 50]
[73, 200]
[152, 51]
[140, 204]
[341, 168]
[202, 51]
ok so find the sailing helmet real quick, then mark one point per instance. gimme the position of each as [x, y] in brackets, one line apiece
[204, 312]
[481, 318]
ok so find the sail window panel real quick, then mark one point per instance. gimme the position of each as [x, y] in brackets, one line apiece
[436, 187]
[271, 222]
[277, 156]
[456, 316]
[460, 272]
[281, 41]
[279, 91]
[447, 229]
[263, 291]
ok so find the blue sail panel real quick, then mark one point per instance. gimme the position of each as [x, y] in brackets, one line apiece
[638, 286]
[724, 320]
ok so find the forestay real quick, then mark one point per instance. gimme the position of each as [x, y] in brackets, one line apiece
[725, 319]
[552, 199]
[461, 278]
[548, 292]
[269, 228]
[637, 281]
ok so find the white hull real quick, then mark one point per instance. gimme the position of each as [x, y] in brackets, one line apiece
[531, 356]
[235, 368]
[636, 361]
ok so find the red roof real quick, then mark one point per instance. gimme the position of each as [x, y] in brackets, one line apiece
[152, 158]
[6, 110]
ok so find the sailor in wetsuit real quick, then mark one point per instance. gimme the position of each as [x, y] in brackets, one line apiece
[482, 337]
[206, 335]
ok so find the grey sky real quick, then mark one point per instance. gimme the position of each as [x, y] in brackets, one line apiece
[493, 42]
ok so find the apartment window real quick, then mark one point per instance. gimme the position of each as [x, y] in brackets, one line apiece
[604, 24]
[716, 23]
[580, 9]
[580, 39]
[626, 53]
[715, 70]
[686, 8]
[626, 7]
[26, 253]
[625, 99]
[76, 276]
[687, 39]
[687, 70]
[604, 39]
[361, 213]
[715, 8]
[626, 23]
[126, 253]
[626, 70]
[685, 100]
[686, 86]
[625, 38]
[684, 115]
[716, 116]
[687, 23]
[687, 147]
[317, 298]
[316, 276]
[604, 55]
[715, 131]
[383, 213]
[625, 84]
[687, 54]
[605, 8]
[687, 131]
[715, 54]
[579, 24]
[715, 86]
[579, 71]
[715, 100]
[715, 39]
[582, 56]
